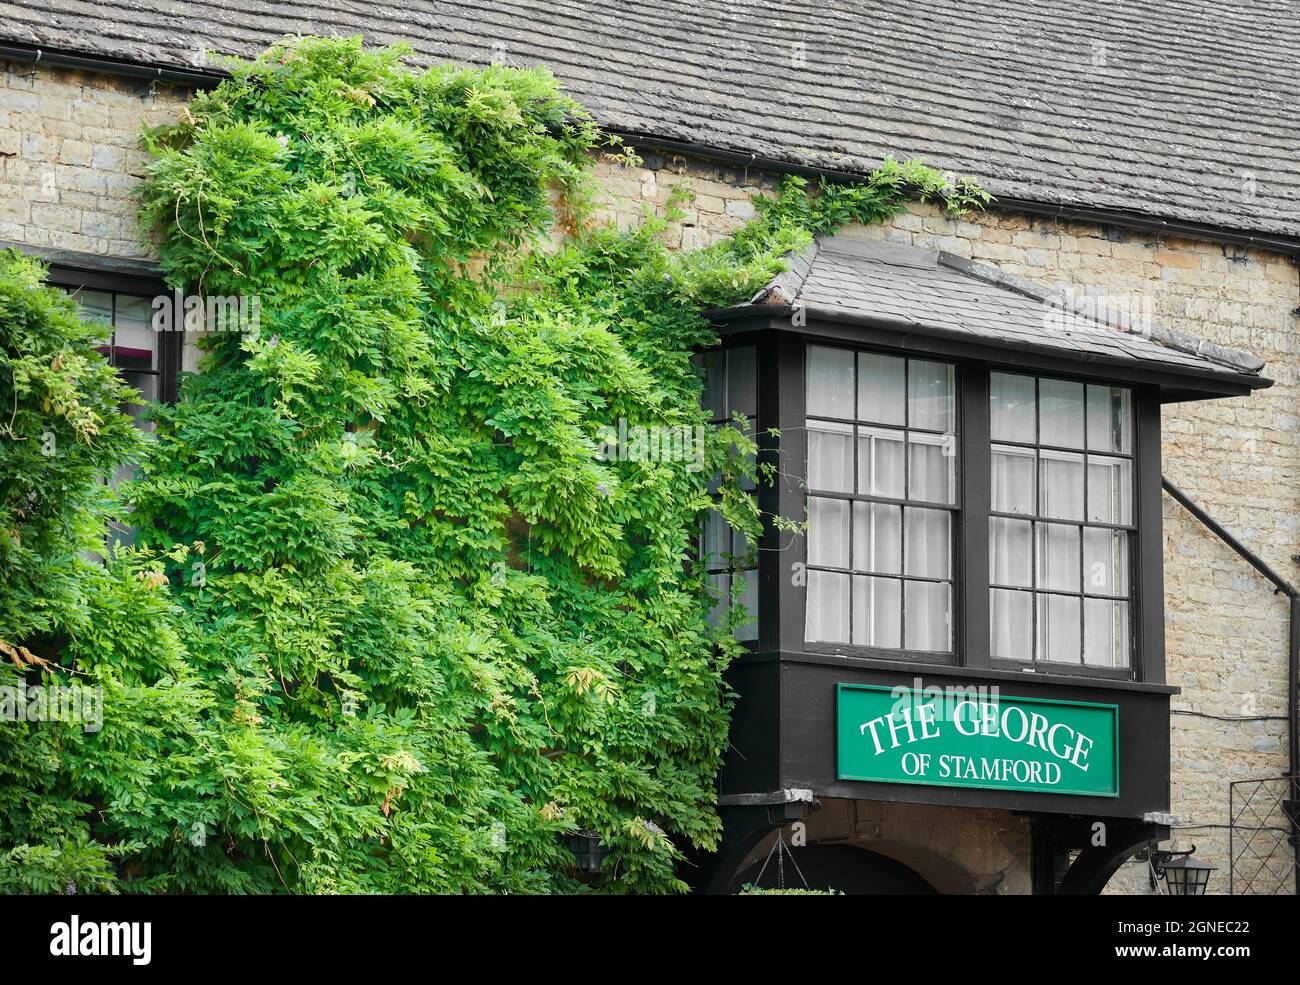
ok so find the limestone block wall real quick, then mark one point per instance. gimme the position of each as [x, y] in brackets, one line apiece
[70, 157]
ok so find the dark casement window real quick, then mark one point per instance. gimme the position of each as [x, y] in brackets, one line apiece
[148, 360]
[882, 491]
[1061, 521]
[731, 388]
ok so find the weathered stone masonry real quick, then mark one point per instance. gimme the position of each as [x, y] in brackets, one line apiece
[70, 157]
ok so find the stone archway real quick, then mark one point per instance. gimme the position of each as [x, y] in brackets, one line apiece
[952, 850]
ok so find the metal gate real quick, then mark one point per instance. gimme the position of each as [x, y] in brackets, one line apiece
[1261, 836]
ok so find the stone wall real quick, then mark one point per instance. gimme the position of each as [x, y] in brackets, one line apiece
[69, 158]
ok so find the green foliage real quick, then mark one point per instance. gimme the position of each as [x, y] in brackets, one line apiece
[392, 625]
[60, 429]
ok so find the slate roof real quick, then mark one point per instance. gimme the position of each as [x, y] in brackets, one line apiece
[937, 293]
[1183, 110]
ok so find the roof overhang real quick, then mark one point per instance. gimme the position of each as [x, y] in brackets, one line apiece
[1175, 385]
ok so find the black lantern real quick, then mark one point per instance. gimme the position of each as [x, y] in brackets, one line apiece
[588, 851]
[1187, 876]
[1183, 874]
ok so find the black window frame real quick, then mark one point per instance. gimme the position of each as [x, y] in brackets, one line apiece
[74, 278]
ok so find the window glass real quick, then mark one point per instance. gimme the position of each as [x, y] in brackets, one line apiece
[1012, 410]
[880, 462]
[830, 382]
[130, 344]
[1060, 534]
[877, 538]
[882, 388]
[1110, 419]
[830, 456]
[930, 395]
[1060, 413]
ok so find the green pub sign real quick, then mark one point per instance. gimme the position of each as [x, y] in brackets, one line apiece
[967, 737]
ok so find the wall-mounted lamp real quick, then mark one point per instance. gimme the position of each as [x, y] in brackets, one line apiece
[1183, 875]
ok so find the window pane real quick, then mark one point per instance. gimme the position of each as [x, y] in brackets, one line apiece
[827, 618]
[1060, 486]
[1011, 407]
[1110, 489]
[1060, 413]
[1010, 552]
[830, 456]
[929, 395]
[742, 381]
[828, 532]
[881, 383]
[877, 612]
[928, 543]
[748, 602]
[135, 344]
[830, 382]
[1105, 561]
[1013, 480]
[740, 548]
[1105, 633]
[1011, 625]
[1058, 628]
[147, 384]
[95, 304]
[931, 467]
[717, 540]
[880, 462]
[878, 538]
[751, 429]
[927, 617]
[719, 587]
[1110, 419]
[714, 398]
[1058, 557]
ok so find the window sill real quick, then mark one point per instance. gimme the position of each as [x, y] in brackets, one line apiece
[832, 659]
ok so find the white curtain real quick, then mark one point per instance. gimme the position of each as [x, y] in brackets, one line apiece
[1013, 480]
[877, 612]
[1060, 491]
[827, 608]
[880, 462]
[931, 467]
[828, 532]
[830, 382]
[1059, 628]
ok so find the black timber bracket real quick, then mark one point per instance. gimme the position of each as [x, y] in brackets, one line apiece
[1103, 845]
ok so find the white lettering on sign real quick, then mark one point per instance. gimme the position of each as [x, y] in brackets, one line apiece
[982, 718]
